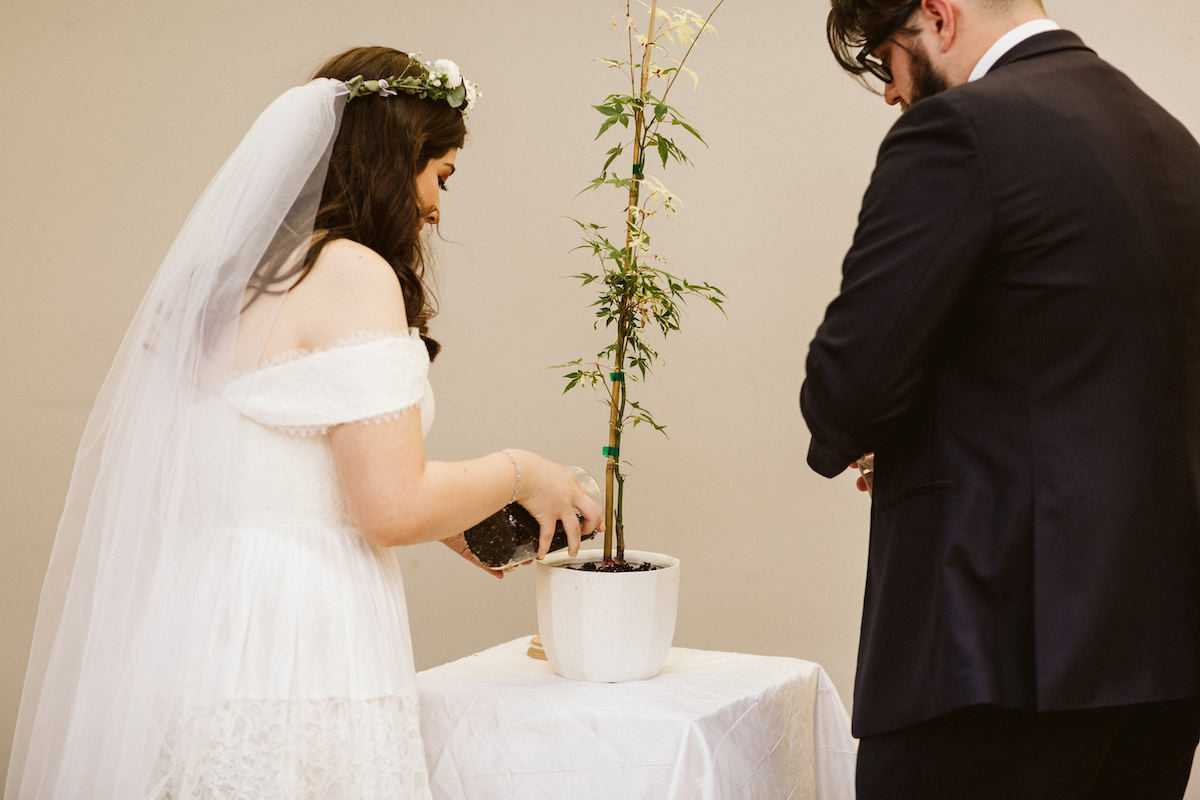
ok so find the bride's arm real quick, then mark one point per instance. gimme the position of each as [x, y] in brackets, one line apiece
[397, 497]
[394, 495]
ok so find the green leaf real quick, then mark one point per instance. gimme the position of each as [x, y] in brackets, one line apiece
[608, 123]
[612, 156]
[664, 149]
[689, 129]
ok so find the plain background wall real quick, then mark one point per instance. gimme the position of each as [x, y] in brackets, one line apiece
[115, 115]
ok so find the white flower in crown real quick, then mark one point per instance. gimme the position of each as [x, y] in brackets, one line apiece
[385, 90]
[473, 94]
[448, 70]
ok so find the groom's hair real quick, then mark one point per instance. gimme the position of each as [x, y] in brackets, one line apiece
[854, 24]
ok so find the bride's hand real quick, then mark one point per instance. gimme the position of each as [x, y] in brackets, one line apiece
[458, 543]
[551, 494]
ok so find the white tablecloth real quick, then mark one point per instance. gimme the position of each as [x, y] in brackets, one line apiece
[499, 725]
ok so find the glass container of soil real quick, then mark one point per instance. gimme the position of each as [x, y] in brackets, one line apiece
[510, 536]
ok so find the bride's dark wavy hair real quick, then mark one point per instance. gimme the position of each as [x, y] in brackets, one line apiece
[370, 191]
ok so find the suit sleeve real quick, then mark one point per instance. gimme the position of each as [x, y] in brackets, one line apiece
[924, 224]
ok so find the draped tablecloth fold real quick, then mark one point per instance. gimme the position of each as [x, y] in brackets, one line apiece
[499, 725]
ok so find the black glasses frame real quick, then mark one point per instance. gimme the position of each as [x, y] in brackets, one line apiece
[874, 65]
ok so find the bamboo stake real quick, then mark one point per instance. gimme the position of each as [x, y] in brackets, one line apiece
[617, 399]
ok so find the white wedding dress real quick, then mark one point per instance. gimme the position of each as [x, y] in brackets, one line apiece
[302, 668]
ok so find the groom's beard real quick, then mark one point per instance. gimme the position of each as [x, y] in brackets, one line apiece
[926, 82]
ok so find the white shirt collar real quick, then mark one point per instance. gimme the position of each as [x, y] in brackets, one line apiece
[1007, 42]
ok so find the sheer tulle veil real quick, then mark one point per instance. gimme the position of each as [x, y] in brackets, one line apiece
[118, 646]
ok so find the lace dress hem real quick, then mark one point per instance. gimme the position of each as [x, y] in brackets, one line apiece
[313, 749]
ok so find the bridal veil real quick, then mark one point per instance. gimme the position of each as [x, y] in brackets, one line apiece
[111, 656]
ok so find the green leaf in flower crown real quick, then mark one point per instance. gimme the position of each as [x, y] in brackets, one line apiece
[457, 96]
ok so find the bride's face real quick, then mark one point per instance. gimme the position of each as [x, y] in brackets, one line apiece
[430, 180]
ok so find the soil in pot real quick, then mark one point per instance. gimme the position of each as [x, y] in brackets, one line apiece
[613, 566]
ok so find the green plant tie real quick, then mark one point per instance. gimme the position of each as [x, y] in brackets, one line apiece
[637, 169]
[612, 451]
[616, 377]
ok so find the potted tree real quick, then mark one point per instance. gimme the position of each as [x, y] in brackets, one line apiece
[596, 625]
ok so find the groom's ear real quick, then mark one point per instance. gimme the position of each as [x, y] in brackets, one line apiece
[941, 17]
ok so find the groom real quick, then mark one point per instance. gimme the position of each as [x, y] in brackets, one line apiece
[1017, 340]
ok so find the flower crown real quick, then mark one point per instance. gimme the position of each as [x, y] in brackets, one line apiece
[444, 82]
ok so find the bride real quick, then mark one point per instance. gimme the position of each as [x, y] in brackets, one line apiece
[223, 614]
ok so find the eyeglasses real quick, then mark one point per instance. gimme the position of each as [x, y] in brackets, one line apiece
[872, 64]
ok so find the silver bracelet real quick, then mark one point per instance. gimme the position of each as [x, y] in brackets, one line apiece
[516, 469]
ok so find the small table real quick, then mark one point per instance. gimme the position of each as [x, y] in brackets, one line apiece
[499, 725]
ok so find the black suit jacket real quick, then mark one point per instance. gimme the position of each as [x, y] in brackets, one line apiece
[1017, 339]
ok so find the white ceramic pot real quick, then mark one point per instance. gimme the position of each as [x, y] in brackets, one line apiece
[607, 626]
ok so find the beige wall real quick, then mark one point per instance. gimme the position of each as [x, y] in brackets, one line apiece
[116, 114]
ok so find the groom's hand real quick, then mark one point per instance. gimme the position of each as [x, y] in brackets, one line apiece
[866, 469]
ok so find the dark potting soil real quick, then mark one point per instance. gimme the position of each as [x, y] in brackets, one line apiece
[511, 534]
[614, 566]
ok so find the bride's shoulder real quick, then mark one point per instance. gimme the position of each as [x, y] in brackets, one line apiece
[352, 266]
[349, 288]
